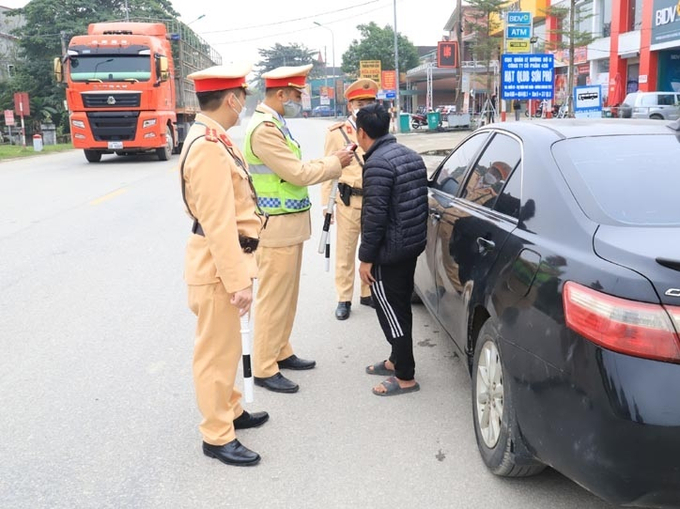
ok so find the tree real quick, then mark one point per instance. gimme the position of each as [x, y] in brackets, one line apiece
[40, 41]
[487, 33]
[569, 37]
[291, 55]
[378, 44]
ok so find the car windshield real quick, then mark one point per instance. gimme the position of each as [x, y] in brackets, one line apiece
[630, 99]
[633, 179]
[110, 68]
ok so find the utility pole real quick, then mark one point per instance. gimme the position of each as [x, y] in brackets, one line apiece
[459, 38]
[570, 74]
[397, 108]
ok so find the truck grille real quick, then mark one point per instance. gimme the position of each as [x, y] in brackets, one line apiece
[113, 100]
[113, 126]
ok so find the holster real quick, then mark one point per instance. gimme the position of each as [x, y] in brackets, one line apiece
[345, 192]
[248, 244]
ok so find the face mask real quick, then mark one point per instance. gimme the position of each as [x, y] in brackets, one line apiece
[291, 108]
[241, 114]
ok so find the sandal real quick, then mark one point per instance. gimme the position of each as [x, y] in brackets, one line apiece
[379, 369]
[392, 387]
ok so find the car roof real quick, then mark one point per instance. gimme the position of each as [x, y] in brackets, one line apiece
[579, 128]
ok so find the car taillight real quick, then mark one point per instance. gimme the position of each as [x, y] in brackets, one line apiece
[625, 326]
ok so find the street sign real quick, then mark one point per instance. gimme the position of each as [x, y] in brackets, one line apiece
[527, 76]
[518, 46]
[9, 117]
[21, 105]
[515, 32]
[518, 18]
[588, 101]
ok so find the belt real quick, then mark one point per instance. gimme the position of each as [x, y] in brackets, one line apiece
[354, 191]
[248, 244]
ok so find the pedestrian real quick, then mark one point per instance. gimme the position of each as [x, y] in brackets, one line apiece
[220, 264]
[517, 106]
[348, 204]
[492, 111]
[281, 179]
[393, 234]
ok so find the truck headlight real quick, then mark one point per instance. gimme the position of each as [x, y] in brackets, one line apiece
[78, 123]
[148, 123]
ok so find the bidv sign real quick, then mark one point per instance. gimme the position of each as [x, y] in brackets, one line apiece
[667, 15]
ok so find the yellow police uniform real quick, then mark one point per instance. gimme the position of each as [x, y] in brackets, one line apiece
[348, 217]
[279, 255]
[219, 196]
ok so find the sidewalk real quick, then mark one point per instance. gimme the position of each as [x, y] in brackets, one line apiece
[424, 141]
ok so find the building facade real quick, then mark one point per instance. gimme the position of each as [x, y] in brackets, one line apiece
[9, 48]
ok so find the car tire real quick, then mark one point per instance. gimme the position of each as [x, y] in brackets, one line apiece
[165, 151]
[496, 427]
[656, 117]
[93, 156]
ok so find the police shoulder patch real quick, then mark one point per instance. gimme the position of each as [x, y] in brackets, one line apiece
[211, 134]
[225, 139]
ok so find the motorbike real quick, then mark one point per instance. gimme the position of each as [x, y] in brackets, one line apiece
[539, 110]
[418, 120]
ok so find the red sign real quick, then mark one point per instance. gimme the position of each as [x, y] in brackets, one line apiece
[389, 80]
[21, 106]
[447, 54]
[9, 117]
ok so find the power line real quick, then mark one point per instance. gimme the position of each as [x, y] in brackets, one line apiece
[292, 31]
[292, 20]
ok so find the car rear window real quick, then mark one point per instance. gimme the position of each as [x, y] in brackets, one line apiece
[632, 180]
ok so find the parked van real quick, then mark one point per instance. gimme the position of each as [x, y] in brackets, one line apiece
[654, 105]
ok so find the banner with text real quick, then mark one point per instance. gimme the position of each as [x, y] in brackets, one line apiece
[370, 69]
[527, 76]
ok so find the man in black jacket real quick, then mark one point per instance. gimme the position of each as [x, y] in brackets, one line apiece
[393, 234]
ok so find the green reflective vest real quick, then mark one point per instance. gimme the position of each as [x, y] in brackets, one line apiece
[274, 195]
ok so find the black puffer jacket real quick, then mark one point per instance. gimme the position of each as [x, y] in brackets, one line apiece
[394, 207]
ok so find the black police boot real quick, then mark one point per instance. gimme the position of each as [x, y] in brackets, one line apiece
[343, 310]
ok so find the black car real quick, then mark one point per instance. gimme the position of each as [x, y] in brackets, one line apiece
[553, 262]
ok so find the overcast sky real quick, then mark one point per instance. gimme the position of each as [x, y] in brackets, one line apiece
[225, 23]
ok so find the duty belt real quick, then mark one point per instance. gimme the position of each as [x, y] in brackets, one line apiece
[353, 191]
[248, 244]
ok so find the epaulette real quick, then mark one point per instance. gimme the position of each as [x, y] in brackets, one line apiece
[211, 134]
[337, 125]
[225, 139]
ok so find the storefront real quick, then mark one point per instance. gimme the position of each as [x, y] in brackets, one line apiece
[665, 44]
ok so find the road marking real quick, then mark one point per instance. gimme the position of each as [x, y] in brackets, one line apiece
[108, 196]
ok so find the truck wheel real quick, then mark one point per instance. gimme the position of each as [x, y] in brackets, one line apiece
[165, 152]
[495, 422]
[93, 156]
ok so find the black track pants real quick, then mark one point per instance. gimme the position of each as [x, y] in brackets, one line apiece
[392, 296]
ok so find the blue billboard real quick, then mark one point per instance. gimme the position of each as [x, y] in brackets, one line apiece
[527, 76]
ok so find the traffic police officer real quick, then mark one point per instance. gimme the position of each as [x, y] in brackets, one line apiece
[348, 202]
[281, 179]
[220, 263]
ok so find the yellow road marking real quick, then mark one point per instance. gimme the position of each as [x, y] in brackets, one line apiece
[108, 196]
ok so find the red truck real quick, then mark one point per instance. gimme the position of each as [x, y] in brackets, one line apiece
[127, 89]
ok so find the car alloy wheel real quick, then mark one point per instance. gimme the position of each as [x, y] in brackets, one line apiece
[490, 394]
[497, 430]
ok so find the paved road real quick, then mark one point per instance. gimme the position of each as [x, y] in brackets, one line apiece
[96, 399]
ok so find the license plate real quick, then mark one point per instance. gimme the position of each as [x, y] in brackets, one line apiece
[115, 145]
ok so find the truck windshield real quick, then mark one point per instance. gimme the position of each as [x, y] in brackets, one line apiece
[110, 68]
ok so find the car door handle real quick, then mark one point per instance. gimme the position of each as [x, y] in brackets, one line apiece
[485, 245]
[435, 215]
